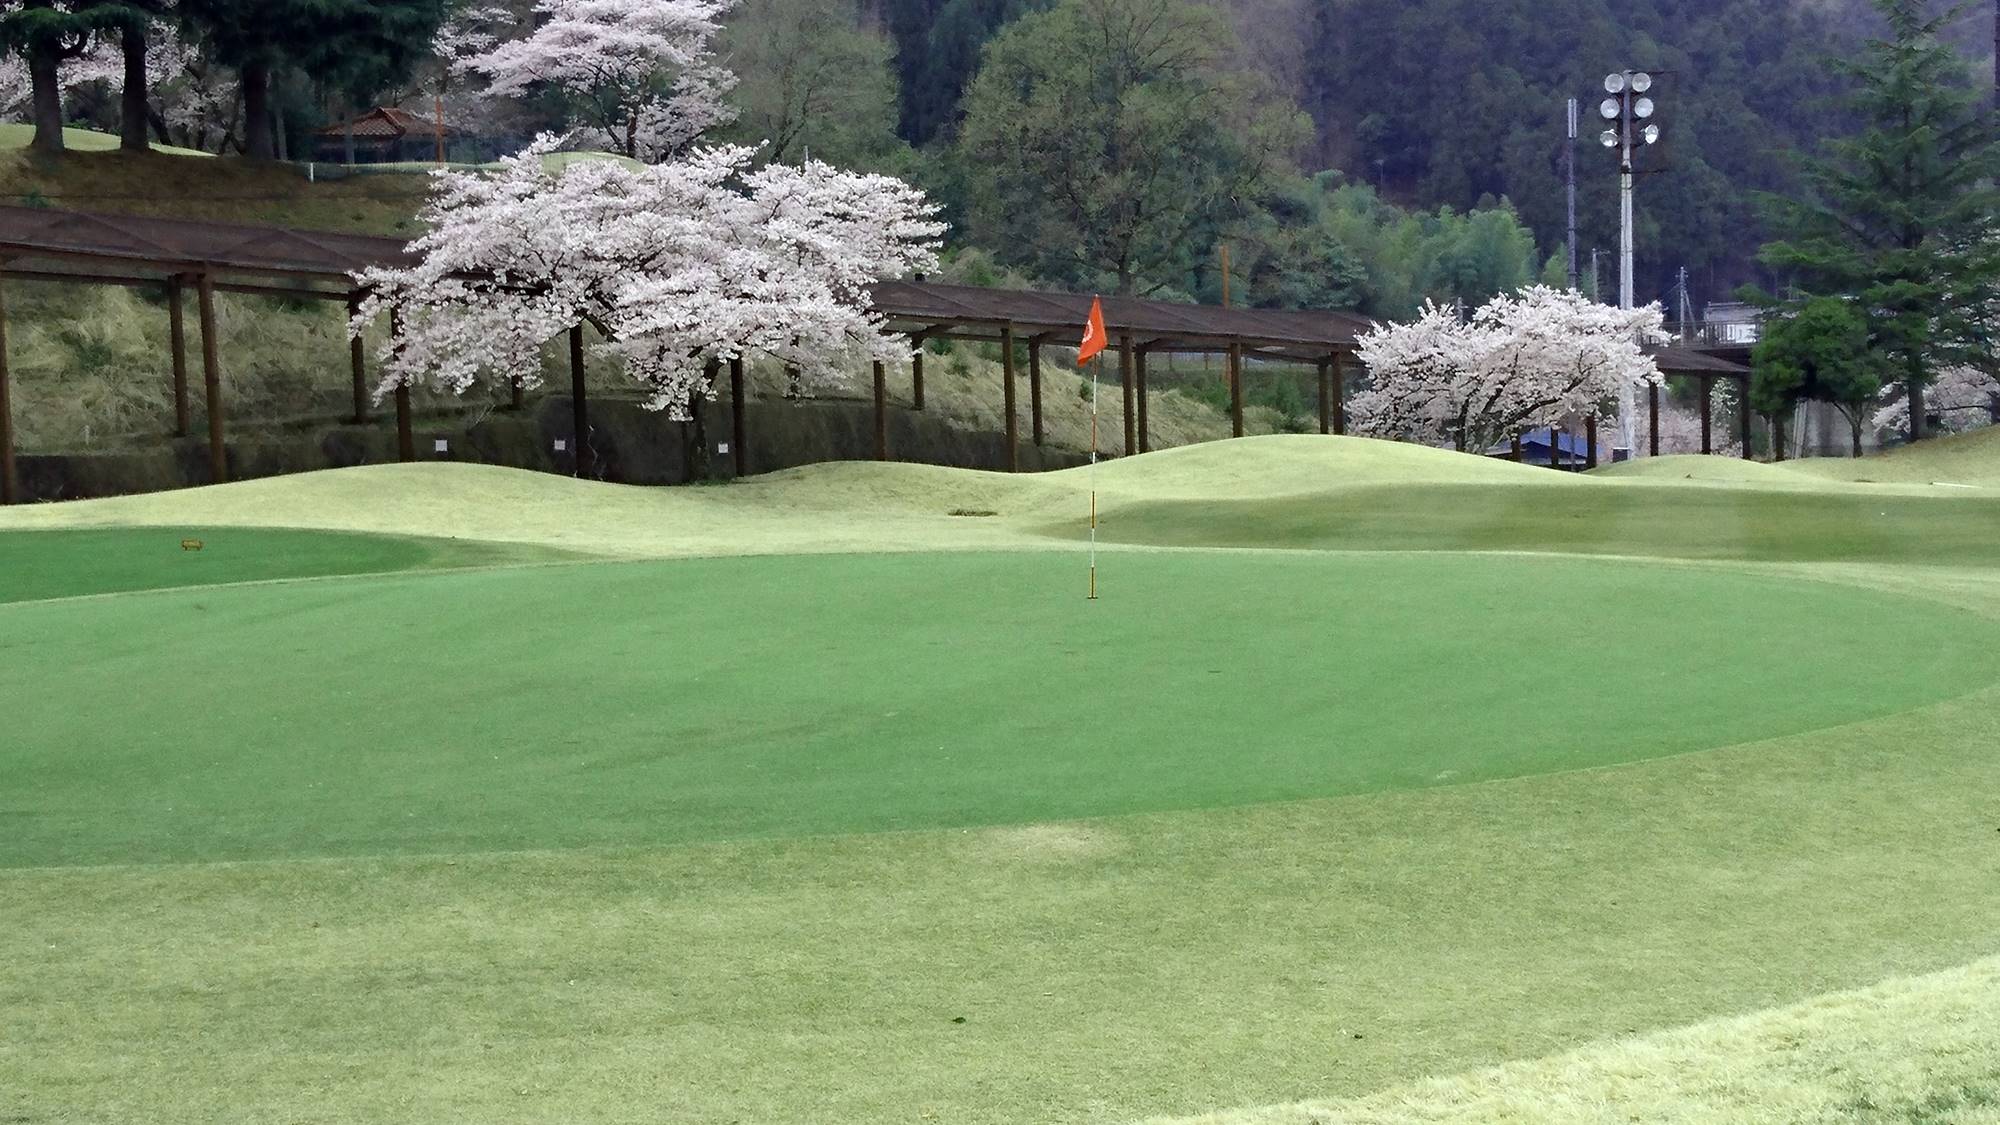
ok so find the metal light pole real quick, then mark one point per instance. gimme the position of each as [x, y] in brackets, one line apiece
[1569, 175]
[1626, 108]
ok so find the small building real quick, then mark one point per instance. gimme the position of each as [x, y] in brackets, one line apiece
[1732, 322]
[383, 135]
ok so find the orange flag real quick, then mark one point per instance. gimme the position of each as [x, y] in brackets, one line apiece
[1094, 338]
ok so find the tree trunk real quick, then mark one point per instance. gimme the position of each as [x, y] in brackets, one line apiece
[1854, 426]
[134, 103]
[45, 73]
[1916, 385]
[258, 141]
[1778, 437]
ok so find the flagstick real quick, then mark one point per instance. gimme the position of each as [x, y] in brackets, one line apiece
[1093, 487]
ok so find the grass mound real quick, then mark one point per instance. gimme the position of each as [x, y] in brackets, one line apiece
[1288, 464]
[180, 185]
[1915, 1049]
[1969, 458]
[1756, 524]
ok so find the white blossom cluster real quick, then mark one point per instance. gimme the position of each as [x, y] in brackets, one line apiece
[167, 59]
[644, 70]
[1960, 398]
[1520, 362]
[677, 265]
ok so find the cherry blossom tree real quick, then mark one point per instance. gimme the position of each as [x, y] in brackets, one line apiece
[643, 72]
[1520, 362]
[1961, 398]
[676, 265]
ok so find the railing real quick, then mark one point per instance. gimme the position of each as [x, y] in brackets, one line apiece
[1715, 334]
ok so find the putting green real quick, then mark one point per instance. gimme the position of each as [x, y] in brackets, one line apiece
[663, 702]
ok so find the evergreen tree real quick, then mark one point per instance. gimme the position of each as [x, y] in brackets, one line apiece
[1818, 353]
[48, 34]
[361, 45]
[1901, 216]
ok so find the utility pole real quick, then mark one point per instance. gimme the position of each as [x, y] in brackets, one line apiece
[1569, 175]
[1595, 288]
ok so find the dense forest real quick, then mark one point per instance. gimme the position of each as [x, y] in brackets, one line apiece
[1369, 154]
[1451, 103]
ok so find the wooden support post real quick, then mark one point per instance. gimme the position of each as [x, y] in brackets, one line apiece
[1743, 409]
[1515, 454]
[917, 373]
[357, 362]
[1653, 419]
[579, 404]
[1035, 388]
[1236, 390]
[1007, 378]
[514, 393]
[1590, 441]
[1325, 396]
[177, 340]
[10, 483]
[1339, 397]
[881, 411]
[1707, 418]
[739, 419]
[211, 379]
[1139, 368]
[1555, 447]
[1125, 381]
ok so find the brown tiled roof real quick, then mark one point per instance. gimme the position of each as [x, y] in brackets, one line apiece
[387, 123]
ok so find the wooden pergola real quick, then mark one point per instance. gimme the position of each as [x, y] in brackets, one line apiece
[1137, 328]
[39, 244]
[1700, 364]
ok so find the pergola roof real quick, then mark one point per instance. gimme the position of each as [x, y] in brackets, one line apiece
[132, 249]
[971, 312]
[127, 249]
[1694, 361]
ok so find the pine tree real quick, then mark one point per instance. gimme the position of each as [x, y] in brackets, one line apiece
[1901, 217]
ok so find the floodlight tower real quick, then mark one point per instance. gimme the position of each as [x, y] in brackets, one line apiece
[1627, 111]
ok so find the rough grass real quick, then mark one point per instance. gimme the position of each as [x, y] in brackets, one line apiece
[1917, 1050]
[1122, 966]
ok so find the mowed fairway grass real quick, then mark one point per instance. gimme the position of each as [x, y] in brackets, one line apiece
[460, 799]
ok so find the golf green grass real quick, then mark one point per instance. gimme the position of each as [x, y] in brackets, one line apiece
[37, 565]
[664, 703]
[1445, 764]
